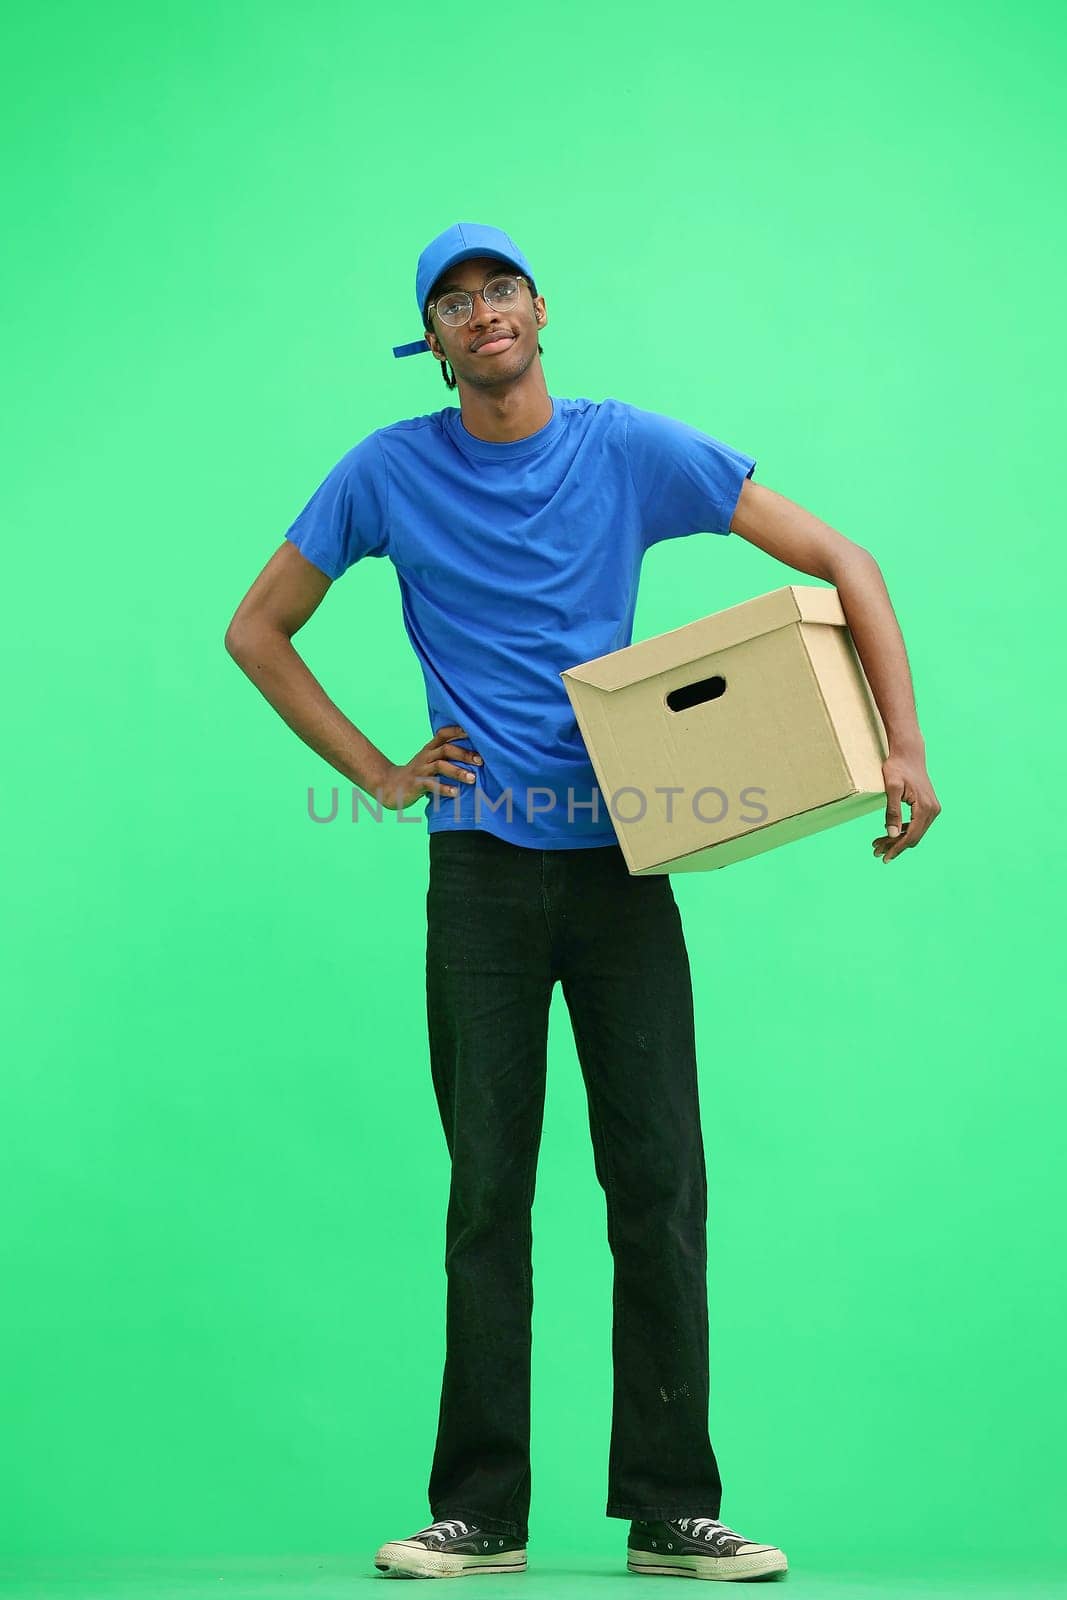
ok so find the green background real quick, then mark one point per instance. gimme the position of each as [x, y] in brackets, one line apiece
[828, 235]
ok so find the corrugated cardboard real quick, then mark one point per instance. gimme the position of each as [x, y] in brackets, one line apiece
[761, 714]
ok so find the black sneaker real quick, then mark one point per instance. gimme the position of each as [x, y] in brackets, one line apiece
[450, 1548]
[699, 1547]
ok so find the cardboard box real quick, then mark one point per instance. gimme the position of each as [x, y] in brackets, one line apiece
[761, 715]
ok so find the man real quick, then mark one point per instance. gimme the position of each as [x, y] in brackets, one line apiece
[517, 525]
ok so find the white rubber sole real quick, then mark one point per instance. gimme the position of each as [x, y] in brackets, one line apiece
[661, 1564]
[402, 1559]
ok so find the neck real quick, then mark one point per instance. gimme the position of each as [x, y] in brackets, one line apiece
[501, 416]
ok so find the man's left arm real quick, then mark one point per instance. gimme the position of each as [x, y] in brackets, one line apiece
[792, 535]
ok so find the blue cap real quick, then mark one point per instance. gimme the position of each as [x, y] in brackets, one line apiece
[462, 242]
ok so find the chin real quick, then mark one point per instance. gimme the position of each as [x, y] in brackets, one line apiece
[505, 362]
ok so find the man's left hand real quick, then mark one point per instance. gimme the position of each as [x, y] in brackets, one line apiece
[907, 780]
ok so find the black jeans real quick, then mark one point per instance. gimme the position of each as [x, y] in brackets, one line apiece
[504, 921]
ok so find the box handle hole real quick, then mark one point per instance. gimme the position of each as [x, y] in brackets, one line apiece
[695, 694]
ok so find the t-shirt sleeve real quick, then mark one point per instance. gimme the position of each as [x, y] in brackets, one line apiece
[346, 518]
[686, 481]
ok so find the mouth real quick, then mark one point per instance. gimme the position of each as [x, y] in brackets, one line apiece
[490, 346]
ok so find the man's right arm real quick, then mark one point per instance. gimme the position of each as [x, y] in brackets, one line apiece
[259, 638]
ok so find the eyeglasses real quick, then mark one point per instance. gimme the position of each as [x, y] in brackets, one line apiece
[456, 307]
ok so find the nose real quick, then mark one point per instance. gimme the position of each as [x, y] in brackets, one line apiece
[486, 311]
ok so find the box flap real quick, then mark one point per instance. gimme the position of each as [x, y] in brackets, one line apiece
[797, 602]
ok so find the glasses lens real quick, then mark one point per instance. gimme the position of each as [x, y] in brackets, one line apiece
[502, 291]
[455, 308]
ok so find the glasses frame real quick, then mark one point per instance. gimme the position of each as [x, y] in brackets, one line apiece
[431, 307]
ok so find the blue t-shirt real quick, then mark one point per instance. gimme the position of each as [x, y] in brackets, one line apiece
[516, 561]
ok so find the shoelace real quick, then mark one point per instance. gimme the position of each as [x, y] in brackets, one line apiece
[442, 1530]
[715, 1529]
